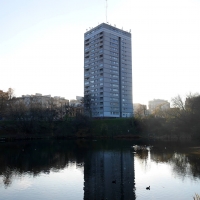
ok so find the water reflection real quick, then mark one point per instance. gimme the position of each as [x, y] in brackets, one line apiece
[107, 167]
[183, 157]
[109, 175]
[34, 158]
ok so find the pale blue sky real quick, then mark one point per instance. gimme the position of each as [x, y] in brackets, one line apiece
[41, 45]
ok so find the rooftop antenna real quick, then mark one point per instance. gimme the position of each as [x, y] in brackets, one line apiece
[106, 10]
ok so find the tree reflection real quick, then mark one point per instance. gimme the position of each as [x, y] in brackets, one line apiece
[35, 158]
[108, 165]
[101, 162]
[178, 155]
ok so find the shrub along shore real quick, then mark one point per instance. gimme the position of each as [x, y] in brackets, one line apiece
[77, 127]
[84, 127]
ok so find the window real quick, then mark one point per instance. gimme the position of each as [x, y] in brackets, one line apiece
[114, 103]
[113, 53]
[114, 67]
[113, 57]
[115, 90]
[115, 113]
[114, 71]
[113, 49]
[114, 85]
[113, 44]
[113, 62]
[114, 99]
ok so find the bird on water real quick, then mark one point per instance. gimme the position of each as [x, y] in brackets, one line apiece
[148, 188]
[114, 181]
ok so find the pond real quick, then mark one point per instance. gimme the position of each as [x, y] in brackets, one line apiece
[99, 169]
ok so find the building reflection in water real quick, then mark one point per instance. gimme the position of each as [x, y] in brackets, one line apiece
[109, 175]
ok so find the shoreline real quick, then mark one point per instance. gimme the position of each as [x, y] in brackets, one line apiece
[22, 137]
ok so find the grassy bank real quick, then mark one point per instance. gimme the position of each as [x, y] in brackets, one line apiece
[84, 127]
[119, 127]
[70, 128]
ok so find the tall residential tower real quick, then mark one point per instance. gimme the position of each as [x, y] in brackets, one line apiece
[108, 71]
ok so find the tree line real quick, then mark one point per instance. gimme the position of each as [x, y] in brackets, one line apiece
[34, 117]
[180, 121]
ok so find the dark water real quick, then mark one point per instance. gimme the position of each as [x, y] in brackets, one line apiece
[102, 169]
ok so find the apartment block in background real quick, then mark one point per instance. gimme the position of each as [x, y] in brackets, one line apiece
[158, 104]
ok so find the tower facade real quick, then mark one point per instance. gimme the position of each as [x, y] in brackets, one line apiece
[108, 72]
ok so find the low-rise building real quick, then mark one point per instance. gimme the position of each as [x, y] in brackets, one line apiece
[76, 102]
[158, 105]
[46, 101]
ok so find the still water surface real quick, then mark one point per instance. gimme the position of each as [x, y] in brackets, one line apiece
[98, 169]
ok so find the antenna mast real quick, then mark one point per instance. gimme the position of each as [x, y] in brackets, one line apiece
[106, 11]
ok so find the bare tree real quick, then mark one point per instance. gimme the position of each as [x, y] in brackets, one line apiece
[177, 102]
[140, 111]
[4, 99]
[10, 93]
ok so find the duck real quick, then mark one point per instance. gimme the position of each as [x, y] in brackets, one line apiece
[148, 188]
[114, 181]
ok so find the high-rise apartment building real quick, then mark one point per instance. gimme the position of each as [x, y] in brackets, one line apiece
[108, 71]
